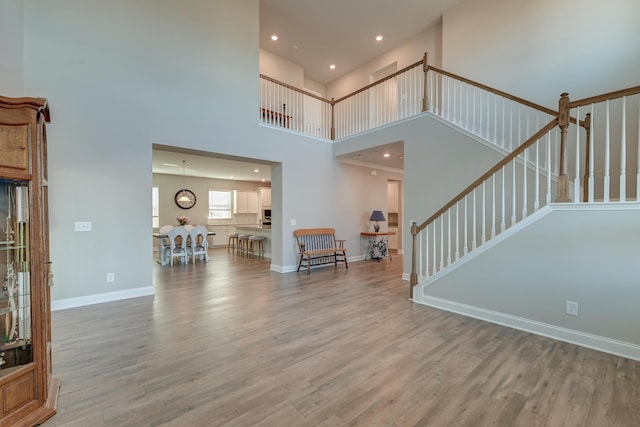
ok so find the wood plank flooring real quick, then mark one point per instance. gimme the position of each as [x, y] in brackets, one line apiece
[230, 343]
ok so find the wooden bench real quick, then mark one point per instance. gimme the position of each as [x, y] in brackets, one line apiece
[319, 246]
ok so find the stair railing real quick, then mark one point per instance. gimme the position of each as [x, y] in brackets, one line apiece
[547, 167]
[287, 107]
[610, 171]
[521, 183]
[489, 113]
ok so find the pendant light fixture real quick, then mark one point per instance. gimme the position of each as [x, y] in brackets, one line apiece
[183, 197]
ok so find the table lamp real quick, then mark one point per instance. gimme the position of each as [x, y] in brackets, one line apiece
[377, 216]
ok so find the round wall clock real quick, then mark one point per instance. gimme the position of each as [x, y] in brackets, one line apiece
[185, 199]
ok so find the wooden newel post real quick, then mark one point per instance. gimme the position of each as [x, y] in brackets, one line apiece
[587, 161]
[413, 279]
[563, 175]
[333, 119]
[425, 98]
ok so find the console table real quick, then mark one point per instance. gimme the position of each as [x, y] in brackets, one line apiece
[378, 245]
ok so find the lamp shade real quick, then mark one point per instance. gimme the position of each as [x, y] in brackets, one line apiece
[377, 216]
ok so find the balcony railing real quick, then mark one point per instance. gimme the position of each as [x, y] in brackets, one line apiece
[498, 117]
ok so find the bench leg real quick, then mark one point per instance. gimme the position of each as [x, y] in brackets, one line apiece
[300, 262]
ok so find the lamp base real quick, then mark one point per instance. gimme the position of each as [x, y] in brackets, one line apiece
[376, 227]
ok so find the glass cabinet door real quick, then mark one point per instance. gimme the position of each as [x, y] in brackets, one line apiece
[15, 295]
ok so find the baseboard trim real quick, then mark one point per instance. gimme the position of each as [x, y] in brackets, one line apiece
[65, 303]
[595, 342]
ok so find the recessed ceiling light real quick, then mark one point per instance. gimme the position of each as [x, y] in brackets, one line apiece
[263, 180]
[256, 170]
[378, 38]
[274, 37]
[386, 154]
[332, 66]
[230, 176]
[169, 164]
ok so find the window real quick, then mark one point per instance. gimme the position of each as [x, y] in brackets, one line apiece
[219, 204]
[155, 207]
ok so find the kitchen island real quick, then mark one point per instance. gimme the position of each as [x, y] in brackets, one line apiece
[256, 230]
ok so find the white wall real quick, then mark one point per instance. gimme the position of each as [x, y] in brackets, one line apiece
[280, 69]
[539, 49]
[121, 76]
[286, 71]
[11, 48]
[406, 54]
[589, 263]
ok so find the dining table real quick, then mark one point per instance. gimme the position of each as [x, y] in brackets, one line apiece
[163, 245]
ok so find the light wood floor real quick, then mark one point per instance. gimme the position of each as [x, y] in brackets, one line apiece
[231, 343]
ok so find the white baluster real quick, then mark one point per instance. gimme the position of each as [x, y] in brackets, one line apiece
[495, 120]
[638, 160]
[493, 206]
[457, 255]
[503, 224]
[549, 168]
[449, 247]
[473, 127]
[483, 237]
[466, 220]
[467, 125]
[623, 152]
[441, 241]
[480, 120]
[536, 203]
[513, 194]
[486, 130]
[576, 180]
[504, 124]
[426, 251]
[511, 127]
[435, 254]
[524, 183]
[473, 223]
[592, 179]
[606, 158]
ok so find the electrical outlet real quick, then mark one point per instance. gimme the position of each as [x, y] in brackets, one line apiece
[572, 308]
[111, 277]
[82, 226]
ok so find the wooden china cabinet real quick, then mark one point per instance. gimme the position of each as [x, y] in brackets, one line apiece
[28, 393]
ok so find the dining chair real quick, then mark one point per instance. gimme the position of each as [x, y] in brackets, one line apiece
[199, 244]
[178, 244]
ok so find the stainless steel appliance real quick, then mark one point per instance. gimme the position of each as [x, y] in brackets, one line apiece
[266, 218]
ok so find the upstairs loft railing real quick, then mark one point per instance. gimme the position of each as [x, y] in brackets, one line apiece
[568, 160]
[493, 115]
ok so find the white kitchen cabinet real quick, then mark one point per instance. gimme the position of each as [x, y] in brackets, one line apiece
[392, 196]
[393, 239]
[245, 202]
[264, 195]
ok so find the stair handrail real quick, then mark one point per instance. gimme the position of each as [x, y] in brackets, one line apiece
[415, 228]
[295, 89]
[496, 91]
[605, 97]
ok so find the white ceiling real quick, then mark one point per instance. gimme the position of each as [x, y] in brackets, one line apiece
[317, 33]
[168, 160]
[324, 32]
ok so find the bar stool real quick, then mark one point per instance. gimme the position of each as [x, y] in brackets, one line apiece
[243, 243]
[233, 242]
[257, 243]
